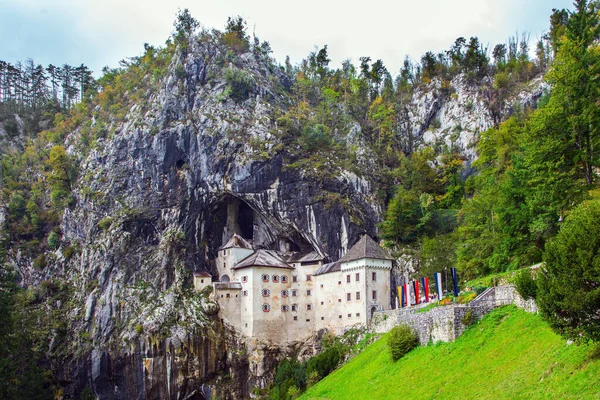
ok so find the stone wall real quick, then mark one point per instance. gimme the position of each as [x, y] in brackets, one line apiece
[446, 323]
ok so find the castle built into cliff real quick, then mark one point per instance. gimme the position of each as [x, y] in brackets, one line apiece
[285, 297]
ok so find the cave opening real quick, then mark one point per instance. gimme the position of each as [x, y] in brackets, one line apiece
[180, 164]
[245, 220]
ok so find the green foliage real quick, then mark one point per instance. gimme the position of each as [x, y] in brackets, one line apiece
[525, 284]
[469, 318]
[53, 240]
[568, 293]
[401, 340]
[524, 359]
[105, 223]
[324, 362]
[239, 84]
[40, 262]
[235, 35]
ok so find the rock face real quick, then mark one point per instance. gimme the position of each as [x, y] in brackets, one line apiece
[180, 175]
[157, 200]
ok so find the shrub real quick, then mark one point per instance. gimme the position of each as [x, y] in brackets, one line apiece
[53, 240]
[324, 363]
[469, 318]
[239, 84]
[479, 289]
[525, 284]
[40, 262]
[401, 340]
[105, 223]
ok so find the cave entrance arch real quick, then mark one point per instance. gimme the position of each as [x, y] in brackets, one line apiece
[225, 278]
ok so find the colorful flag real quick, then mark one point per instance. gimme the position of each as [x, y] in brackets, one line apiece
[438, 284]
[425, 283]
[400, 296]
[455, 281]
[406, 295]
[417, 294]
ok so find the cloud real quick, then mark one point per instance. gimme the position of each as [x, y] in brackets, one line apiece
[101, 32]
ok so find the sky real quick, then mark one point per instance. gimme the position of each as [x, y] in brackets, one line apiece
[102, 32]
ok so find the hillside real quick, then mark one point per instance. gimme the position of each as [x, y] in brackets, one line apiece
[509, 354]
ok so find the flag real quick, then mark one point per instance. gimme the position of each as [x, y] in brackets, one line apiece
[406, 295]
[425, 283]
[455, 281]
[401, 295]
[438, 284]
[417, 295]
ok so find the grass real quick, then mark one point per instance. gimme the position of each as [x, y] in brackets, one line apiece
[508, 355]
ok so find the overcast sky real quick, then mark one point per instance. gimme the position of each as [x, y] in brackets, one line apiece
[101, 32]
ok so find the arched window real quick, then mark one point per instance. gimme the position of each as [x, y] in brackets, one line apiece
[266, 308]
[245, 293]
[285, 293]
[266, 292]
[225, 278]
[275, 278]
[285, 308]
[245, 278]
[265, 277]
[284, 279]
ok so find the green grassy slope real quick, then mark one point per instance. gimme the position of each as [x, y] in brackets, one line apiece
[508, 355]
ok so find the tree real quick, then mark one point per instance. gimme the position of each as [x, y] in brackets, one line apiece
[401, 340]
[568, 293]
[185, 25]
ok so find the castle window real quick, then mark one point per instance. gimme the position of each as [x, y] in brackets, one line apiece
[294, 278]
[321, 286]
[266, 292]
[266, 308]
[307, 320]
[374, 295]
[224, 266]
[322, 318]
[294, 292]
[348, 296]
[275, 278]
[244, 278]
[348, 278]
[228, 295]
[340, 316]
[285, 308]
[285, 293]
[295, 318]
[265, 277]
[245, 293]
[349, 315]
[357, 276]
[308, 292]
[294, 307]
[358, 314]
[357, 295]
[339, 300]
[339, 282]
[284, 279]
[309, 307]
[309, 277]
[201, 280]
[225, 252]
[321, 303]
[374, 276]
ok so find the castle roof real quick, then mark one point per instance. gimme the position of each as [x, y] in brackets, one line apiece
[262, 258]
[203, 274]
[305, 257]
[327, 268]
[365, 248]
[238, 242]
[228, 286]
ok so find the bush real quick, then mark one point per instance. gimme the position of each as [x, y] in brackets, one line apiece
[324, 363]
[479, 289]
[401, 340]
[239, 84]
[40, 262]
[469, 318]
[105, 223]
[525, 284]
[53, 240]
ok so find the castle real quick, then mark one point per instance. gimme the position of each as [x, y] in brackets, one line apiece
[286, 297]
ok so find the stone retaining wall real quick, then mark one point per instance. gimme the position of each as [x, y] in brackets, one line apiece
[446, 323]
